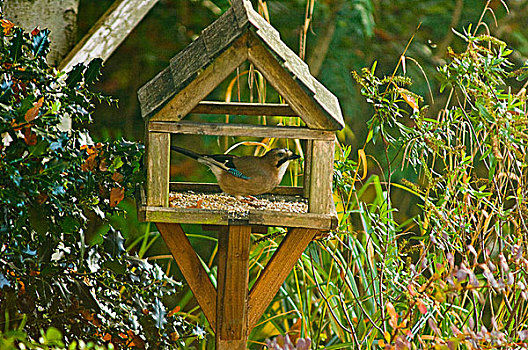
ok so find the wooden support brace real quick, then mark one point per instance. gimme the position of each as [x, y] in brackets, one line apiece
[276, 271]
[191, 268]
[158, 145]
[231, 302]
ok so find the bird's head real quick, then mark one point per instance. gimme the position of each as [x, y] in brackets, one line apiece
[280, 156]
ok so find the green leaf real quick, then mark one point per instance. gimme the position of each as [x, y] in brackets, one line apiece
[40, 45]
[15, 51]
[53, 335]
[93, 71]
[75, 76]
[159, 313]
[113, 243]
[116, 266]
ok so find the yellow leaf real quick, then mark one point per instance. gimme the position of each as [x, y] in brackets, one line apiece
[363, 160]
[409, 98]
[387, 336]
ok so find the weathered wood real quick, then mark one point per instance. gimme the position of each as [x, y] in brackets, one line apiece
[307, 168]
[322, 169]
[186, 99]
[219, 34]
[191, 268]
[233, 274]
[302, 103]
[324, 98]
[223, 217]
[285, 219]
[195, 128]
[108, 32]
[184, 215]
[276, 271]
[241, 108]
[214, 188]
[158, 169]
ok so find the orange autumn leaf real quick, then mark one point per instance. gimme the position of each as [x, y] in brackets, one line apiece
[174, 311]
[30, 138]
[421, 306]
[89, 163]
[7, 25]
[117, 177]
[393, 315]
[103, 165]
[33, 112]
[116, 196]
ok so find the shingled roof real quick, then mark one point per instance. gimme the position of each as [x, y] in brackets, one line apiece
[240, 19]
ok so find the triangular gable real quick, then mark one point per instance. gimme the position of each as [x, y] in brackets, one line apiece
[224, 46]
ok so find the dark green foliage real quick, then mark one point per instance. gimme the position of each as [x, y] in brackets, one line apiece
[51, 180]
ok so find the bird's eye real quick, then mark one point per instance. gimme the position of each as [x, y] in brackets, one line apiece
[280, 154]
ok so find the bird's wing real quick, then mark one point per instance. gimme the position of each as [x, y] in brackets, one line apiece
[226, 162]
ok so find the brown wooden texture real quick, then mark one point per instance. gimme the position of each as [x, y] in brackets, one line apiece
[223, 217]
[231, 304]
[211, 187]
[298, 68]
[195, 128]
[276, 271]
[241, 108]
[186, 99]
[282, 80]
[322, 170]
[307, 168]
[108, 32]
[191, 268]
[158, 169]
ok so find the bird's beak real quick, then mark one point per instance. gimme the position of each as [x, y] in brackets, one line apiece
[293, 156]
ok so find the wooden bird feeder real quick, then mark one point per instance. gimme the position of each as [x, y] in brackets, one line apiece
[239, 35]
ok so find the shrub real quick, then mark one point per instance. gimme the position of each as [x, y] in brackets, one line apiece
[52, 273]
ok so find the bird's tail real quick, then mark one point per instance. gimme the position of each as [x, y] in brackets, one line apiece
[186, 152]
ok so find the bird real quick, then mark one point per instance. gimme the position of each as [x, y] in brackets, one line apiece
[245, 176]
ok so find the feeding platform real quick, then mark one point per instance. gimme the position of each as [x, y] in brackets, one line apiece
[238, 37]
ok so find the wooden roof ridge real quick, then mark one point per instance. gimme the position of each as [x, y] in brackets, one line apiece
[215, 39]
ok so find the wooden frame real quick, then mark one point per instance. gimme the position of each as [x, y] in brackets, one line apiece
[239, 35]
[232, 309]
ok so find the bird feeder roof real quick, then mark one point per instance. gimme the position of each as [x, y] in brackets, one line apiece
[234, 24]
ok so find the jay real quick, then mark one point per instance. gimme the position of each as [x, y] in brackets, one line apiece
[247, 175]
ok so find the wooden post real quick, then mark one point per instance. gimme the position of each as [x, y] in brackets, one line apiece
[158, 145]
[320, 194]
[231, 301]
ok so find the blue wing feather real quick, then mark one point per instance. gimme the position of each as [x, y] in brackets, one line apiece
[237, 173]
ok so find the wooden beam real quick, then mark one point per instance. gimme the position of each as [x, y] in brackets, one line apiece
[158, 169]
[212, 187]
[108, 32]
[191, 268]
[320, 198]
[231, 304]
[241, 108]
[201, 86]
[276, 271]
[299, 100]
[219, 129]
